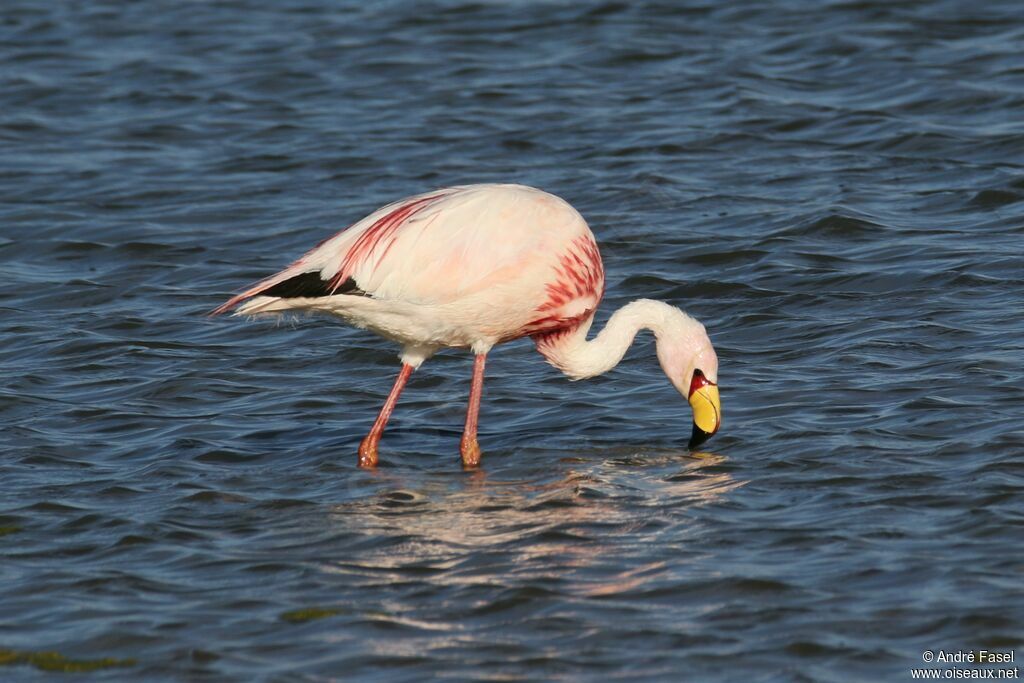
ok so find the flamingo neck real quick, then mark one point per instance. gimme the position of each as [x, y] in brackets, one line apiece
[570, 352]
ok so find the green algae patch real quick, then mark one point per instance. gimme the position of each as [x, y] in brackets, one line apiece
[55, 661]
[298, 616]
[11, 529]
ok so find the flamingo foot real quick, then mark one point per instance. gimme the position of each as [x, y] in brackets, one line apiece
[470, 453]
[368, 452]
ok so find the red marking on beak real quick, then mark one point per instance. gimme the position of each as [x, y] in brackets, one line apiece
[698, 381]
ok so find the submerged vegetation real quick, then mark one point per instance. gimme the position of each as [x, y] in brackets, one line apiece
[55, 661]
[298, 616]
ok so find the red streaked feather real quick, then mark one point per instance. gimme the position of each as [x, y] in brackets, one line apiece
[580, 273]
[382, 229]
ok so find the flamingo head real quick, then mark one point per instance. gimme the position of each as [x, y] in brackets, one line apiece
[689, 360]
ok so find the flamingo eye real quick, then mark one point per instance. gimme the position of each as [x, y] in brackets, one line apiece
[698, 381]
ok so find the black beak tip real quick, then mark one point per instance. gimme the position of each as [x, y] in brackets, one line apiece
[698, 437]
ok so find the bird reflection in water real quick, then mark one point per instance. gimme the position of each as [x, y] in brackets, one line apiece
[566, 534]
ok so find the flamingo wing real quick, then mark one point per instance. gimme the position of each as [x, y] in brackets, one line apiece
[441, 247]
[328, 268]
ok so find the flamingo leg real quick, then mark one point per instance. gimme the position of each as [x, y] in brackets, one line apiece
[368, 447]
[469, 447]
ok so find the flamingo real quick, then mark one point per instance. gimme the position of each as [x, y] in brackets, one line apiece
[474, 266]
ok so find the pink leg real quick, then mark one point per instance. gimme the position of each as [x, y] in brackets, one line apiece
[368, 448]
[470, 448]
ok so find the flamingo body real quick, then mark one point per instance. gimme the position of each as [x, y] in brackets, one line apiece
[465, 266]
[473, 266]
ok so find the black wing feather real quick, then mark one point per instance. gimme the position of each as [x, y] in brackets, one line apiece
[311, 285]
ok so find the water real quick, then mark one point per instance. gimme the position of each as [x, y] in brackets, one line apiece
[835, 189]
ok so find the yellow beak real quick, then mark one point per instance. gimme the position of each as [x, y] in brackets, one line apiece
[707, 413]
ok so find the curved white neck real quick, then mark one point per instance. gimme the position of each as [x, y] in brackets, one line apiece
[570, 352]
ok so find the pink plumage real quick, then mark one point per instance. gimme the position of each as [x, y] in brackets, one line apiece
[471, 267]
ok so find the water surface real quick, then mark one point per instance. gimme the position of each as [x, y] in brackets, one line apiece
[834, 189]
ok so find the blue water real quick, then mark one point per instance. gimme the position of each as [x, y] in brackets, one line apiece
[835, 189]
